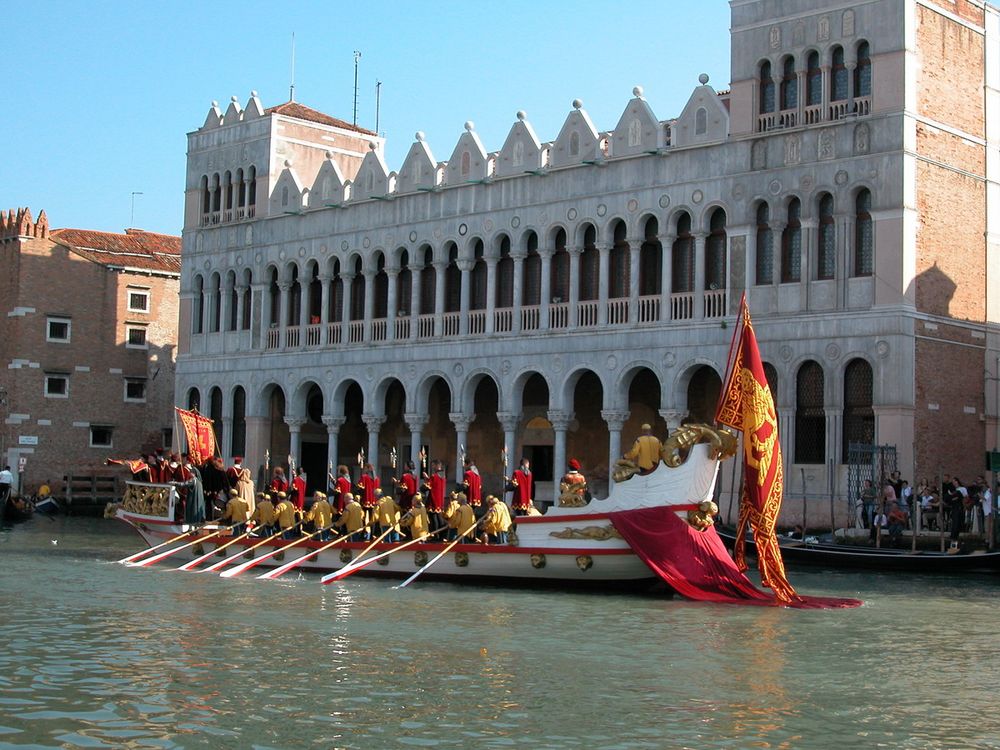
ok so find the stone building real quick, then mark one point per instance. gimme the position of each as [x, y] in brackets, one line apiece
[550, 296]
[88, 336]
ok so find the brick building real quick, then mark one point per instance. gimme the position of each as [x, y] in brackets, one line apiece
[552, 295]
[88, 331]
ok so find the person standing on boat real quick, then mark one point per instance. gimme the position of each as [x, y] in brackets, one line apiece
[298, 493]
[233, 472]
[496, 522]
[264, 516]
[370, 487]
[243, 484]
[416, 520]
[352, 520]
[320, 515]
[575, 481]
[278, 481]
[645, 451]
[6, 482]
[435, 486]
[450, 516]
[237, 513]
[524, 487]
[472, 483]
[387, 518]
[285, 513]
[465, 519]
[986, 508]
[406, 487]
[342, 488]
[194, 505]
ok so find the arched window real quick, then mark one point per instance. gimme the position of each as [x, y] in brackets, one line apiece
[239, 446]
[404, 285]
[428, 283]
[700, 121]
[478, 279]
[233, 295]
[337, 292]
[814, 80]
[532, 273]
[466, 163]
[216, 193]
[284, 196]
[215, 413]
[838, 76]
[206, 196]
[228, 194]
[863, 71]
[864, 235]
[764, 271]
[682, 256]
[789, 84]
[618, 276]
[198, 316]
[294, 298]
[859, 416]
[505, 275]
[771, 375]
[810, 417]
[275, 293]
[381, 284]
[590, 266]
[194, 399]
[791, 244]
[216, 304]
[559, 273]
[315, 300]
[715, 251]
[252, 182]
[358, 292]
[766, 88]
[826, 251]
[247, 299]
[650, 260]
[452, 282]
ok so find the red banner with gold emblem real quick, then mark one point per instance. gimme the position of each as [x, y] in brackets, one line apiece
[200, 435]
[746, 405]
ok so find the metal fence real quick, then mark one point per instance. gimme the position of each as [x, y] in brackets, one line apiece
[867, 462]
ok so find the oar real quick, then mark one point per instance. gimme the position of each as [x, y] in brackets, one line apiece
[169, 552]
[224, 562]
[199, 560]
[441, 554]
[237, 569]
[271, 574]
[356, 566]
[146, 551]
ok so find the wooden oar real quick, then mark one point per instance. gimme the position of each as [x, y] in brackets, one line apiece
[224, 562]
[236, 570]
[441, 554]
[146, 551]
[353, 567]
[199, 560]
[271, 574]
[169, 552]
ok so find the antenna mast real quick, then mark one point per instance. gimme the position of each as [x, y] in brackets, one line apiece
[357, 56]
[291, 86]
[378, 101]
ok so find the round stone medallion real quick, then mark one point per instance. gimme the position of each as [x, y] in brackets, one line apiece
[366, 242]
[488, 225]
[841, 177]
[571, 214]
[302, 252]
[344, 245]
[697, 196]
[664, 201]
[882, 347]
[463, 229]
[774, 187]
[632, 206]
[282, 255]
[612, 361]
[413, 236]
[601, 209]
[785, 352]
[515, 222]
[458, 369]
[832, 351]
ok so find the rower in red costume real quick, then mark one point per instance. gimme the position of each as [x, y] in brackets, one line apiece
[473, 483]
[522, 481]
[368, 483]
[342, 488]
[406, 487]
[298, 494]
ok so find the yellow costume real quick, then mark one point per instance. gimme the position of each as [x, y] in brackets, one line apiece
[465, 518]
[497, 519]
[451, 513]
[285, 513]
[387, 513]
[645, 452]
[353, 517]
[417, 521]
[320, 513]
[237, 511]
[264, 514]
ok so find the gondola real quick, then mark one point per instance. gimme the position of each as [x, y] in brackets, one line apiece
[884, 559]
[16, 513]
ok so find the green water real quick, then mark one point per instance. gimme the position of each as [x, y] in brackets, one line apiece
[98, 655]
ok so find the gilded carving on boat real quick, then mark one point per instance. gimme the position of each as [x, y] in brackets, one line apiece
[595, 533]
[538, 560]
[704, 517]
[146, 500]
[346, 555]
[462, 559]
[584, 562]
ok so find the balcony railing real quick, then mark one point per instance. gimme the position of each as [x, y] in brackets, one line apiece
[292, 337]
[503, 320]
[618, 311]
[715, 303]
[314, 335]
[530, 317]
[477, 322]
[273, 338]
[587, 314]
[559, 315]
[356, 331]
[379, 326]
[682, 306]
[649, 309]
[334, 333]
[813, 114]
[402, 329]
[450, 323]
[425, 326]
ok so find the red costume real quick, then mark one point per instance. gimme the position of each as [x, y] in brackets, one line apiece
[368, 484]
[435, 501]
[473, 487]
[279, 484]
[522, 489]
[233, 472]
[299, 492]
[407, 489]
[342, 489]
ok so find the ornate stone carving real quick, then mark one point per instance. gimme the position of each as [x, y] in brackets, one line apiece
[594, 533]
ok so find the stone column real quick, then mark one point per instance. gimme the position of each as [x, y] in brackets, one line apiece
[392, 275]
[545, 294]
[560, 424]
[800, 99]
[347, 283]
[461, 422]
[440, 267]
[810, 234]
[699, 275]
[509, 421]
[369, 304]
[518, 288]
[333, 425]
[615, 420]
[415, 301]
[850, 85]
[574, 285]
[295, 433]
[777, 262]
[666, 274]
[465, 266]
[491, 294]
[257, 313]
[827, 86]
[324, 313]
[226, 435]
[673, 419]
[283, 308]
[258, 429]
[374, 424]
[416, 423]
[634, 246]
[303, 311]
[602, 305]
[240, 292]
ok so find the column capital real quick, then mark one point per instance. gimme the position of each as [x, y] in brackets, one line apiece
[668, 238]
[241, 288]
[519, 256]
[672, 417]
[560, 419]
[440, 265]
[392, 271]
[284, 286]
[416, 422]
[295, 423]
[508, 420]
[324, 277]
[615, 418]
[333, 424]
[546, 252]
[700, 236]
[576, 250]
[465, 265]
[372, 421]
[346, 276]
[461, 420]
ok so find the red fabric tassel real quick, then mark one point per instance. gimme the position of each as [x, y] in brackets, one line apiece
[697, 565]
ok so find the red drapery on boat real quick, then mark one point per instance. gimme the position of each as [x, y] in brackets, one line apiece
[200, 435]
[696, 564]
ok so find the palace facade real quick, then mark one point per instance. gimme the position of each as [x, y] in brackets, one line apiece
[547, 298]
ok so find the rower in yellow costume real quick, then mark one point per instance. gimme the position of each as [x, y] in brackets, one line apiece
[496, 522]
[321, 515]
[387, 517]
[264, 516]
[450, 515]
[465, 518]
[417, 520]
[645, 451]
[285, 512]
[353, 519]
[237, 513]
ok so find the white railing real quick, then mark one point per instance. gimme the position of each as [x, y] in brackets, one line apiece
[839, 110]
[559, 315]
[766, 122]
[240, 213]
[863, 105]
[425, 326]
[503, 320]
[813, 114]
[227, 215]
[334, 333]
[477, 322]
[251, 211]
[402, 329]
[378, 329]
[715, 303]
[530, 317]
[314, 335]
[273, 338]
[682, 306]
[356, 331]
[292, 337]
[586, 314]
[618, 311]
[450, 323]
[649, 309]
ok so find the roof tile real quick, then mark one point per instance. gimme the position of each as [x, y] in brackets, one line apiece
[136, 248]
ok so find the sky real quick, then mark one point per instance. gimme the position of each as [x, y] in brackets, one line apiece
[100, 95]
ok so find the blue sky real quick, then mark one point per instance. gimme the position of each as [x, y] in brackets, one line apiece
[99, 96]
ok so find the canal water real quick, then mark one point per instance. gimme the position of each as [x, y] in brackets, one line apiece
[98, 655]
